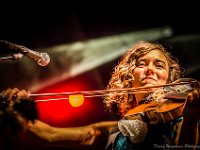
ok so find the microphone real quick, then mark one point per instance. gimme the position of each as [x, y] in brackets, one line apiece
[42, 59]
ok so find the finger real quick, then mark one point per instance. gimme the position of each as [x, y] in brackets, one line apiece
[98, 132]
[89, 135]
[189, 98]
[89, 138]
[94, 134]
[22, 94]
[89, 141]
[193, 99]
[11, 94]
[196, 93]
[4, 93]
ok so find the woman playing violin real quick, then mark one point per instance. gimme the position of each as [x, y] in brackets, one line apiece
[146, 64]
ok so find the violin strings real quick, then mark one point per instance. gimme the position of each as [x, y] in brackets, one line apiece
[103, 93]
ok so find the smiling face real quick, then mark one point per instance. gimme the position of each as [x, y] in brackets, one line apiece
[151, 69]
[145, 64]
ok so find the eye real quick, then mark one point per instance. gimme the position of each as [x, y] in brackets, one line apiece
[141, 64]
[160, 66]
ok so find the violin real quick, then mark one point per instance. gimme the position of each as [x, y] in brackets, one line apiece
[155, 112]
[168, 107]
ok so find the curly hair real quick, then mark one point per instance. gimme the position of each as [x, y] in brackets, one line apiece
[122, 76]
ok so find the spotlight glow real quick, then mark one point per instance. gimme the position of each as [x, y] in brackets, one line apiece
[76, 100]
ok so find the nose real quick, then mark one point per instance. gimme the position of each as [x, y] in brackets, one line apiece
[150, 69]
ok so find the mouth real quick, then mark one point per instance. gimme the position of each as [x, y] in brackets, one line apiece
[149, 78]
[149, 81]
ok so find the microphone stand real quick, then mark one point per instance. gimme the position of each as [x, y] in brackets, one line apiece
[12, 57]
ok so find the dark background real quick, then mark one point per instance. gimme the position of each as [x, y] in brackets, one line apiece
[35, 24]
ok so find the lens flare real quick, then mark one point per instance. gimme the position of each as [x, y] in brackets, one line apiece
[76, 100]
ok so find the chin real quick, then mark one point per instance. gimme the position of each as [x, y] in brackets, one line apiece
[148, 85]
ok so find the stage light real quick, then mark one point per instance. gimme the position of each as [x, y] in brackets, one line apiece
[76, 100]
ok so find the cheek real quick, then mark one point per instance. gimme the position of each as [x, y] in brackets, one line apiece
[138, 73]
[163, 75]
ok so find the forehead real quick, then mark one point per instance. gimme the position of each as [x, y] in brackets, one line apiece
[154, 54]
